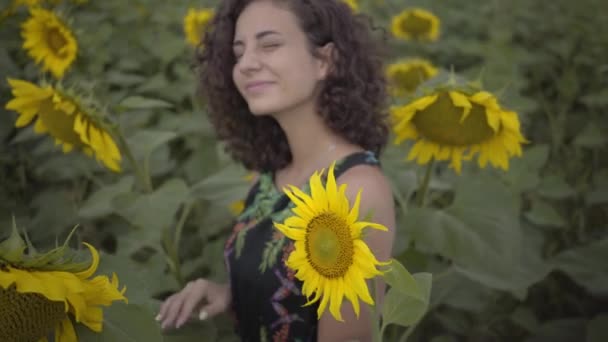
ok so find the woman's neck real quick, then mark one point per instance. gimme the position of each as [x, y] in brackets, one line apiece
[312, 144]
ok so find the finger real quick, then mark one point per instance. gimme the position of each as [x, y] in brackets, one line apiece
[210, 310]
[174, 309]
[199, 288]
[165, 306]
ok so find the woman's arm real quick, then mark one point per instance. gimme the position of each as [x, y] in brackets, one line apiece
[377, 199]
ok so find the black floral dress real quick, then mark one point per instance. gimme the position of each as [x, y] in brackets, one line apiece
[267, 303]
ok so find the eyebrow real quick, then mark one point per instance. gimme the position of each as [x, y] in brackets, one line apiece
[258, 36]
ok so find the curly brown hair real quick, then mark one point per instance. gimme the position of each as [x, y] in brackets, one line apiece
[352, 98]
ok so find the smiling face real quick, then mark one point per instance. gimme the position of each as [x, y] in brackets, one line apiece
[275, 70]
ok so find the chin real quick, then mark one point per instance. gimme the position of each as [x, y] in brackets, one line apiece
[260, 107]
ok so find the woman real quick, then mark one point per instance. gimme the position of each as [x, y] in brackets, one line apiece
[291, 85]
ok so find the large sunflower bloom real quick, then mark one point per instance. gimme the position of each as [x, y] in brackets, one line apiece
[195, 24]
[49, 41]
[330, 256]
[447, 123]
[36, 300]
[416, 24]
[63, 118]
[405, 76]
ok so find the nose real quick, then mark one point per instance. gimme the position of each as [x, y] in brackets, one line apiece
[249, 62]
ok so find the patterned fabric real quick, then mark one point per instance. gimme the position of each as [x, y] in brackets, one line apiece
[267, 303]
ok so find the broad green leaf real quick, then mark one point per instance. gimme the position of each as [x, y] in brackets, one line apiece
[123, 79]
[544, 214]
[400, 279]
[586, 265]
[590, 136]
[555, 187]
[483, 237]
[140, 102]
[225, 186]
[124, 323]
[523, 173]
[525, 318]
[149, 279]
[598, 98]
[400, 308]
[597, 329]
[144, 142]
[99, 204]
[458, 291]
[561, 330]
[156, 211]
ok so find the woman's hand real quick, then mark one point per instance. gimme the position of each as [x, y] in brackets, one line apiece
[178, 308]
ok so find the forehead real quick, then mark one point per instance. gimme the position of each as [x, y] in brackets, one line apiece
[263, 15]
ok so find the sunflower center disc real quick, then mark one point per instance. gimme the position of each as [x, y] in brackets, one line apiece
[416, 26]
[27, 317]
[329, 245]
[440, 123]
[56, 41]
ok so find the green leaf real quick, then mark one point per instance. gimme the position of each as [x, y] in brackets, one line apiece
[400, 279]
[225, 186]
[144, 142]
[597, 329]
[525, 318]
[149, 280]
[543, 214]
[140, 102]
[125, 323]
[402, 309]
[523, 173]
[483, 237]
[586, 265]
[555, 187]
[459, 291]
[99, 204]
[152, 213]
[597, 99]
[590, 136]
[560, 330]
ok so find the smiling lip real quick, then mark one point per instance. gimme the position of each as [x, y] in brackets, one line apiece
[257, 85]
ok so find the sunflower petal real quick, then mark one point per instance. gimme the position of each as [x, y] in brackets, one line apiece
[65, 332]
[292, 233]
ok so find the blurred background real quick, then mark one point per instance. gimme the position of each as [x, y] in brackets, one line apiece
[517, 255]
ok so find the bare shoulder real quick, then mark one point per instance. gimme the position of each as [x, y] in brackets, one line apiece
[371, 180]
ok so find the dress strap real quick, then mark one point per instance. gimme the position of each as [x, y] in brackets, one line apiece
[354, 159]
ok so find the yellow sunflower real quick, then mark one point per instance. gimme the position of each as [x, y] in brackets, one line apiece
[49, 41]
[42, 294]
[64, 118]
[330, 256]
[353, 4]
[446, 124]
[404, 76]
[195, 23]
[416, 24]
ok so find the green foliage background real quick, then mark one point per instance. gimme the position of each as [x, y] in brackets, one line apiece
[520, 255]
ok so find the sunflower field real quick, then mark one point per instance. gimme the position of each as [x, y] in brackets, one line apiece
[114, 191]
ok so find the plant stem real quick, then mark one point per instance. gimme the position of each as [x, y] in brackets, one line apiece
[142, 177]
[180, 225]
[376, 334]
[408, 332]
[423, 189]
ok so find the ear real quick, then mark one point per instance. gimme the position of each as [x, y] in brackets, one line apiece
[326, 59]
